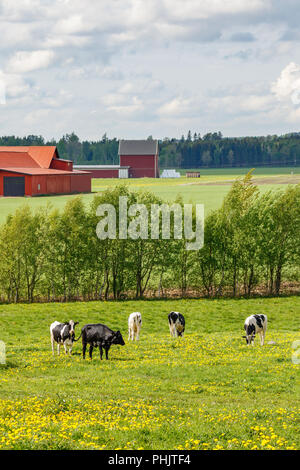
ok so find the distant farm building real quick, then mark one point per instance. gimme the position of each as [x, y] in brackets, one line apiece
[105, 171]
[38, 170]
[192, 174]
[138, 159]
[141, 156]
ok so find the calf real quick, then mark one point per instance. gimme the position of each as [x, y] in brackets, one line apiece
[134, 325]
[253, 325]
[98, 335]
[63, 333]
[176, 324]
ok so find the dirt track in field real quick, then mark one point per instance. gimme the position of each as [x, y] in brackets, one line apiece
[283, 179]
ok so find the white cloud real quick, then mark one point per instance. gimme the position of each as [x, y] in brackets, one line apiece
[72, 25]
[133, 107]
[64, 40]
[15, 86]
[176, 107]
[36, 116]
[203, 9]
[28, 61]
[15, 11]
[288, 82]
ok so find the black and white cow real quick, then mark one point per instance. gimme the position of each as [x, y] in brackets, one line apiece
[253, 325]
[98, 335]
[176, 324]
[134, 325]
[63, 333]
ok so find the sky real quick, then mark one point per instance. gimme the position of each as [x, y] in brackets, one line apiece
[135, 68]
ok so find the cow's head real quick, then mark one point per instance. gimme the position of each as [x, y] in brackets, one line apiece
[118, 339]
[249, 338]
[249, 333]
[72, 325]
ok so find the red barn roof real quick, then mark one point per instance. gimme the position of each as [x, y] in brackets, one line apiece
[41, 155]
[17, 159]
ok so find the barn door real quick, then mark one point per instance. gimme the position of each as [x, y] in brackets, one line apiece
[14, 185]
[123, 173]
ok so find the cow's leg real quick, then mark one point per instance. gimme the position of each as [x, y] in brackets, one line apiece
[259, 333]
[264, 333]
[52, 344]
[91, 351]
[65, 346]
[58, 349]
[106, 351]
[137, 334]
[262, 338]
[101, 351]
[83, 350]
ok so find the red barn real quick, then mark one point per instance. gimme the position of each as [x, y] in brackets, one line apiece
[33, 171]
[141, 156]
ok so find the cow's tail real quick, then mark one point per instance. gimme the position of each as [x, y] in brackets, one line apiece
[78, 337]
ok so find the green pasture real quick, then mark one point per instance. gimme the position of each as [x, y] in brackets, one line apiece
[242, 171]
[207, 390]
[204, 190]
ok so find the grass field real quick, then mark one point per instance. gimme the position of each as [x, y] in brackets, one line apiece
[263, 171]
[207, 390]
[209, 190]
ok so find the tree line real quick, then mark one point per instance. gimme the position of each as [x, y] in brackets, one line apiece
[251, 241]
[211, 150]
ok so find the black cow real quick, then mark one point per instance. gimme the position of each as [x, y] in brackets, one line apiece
[101, 336]
[176, 324]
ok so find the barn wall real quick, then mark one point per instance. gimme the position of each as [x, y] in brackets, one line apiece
[81, 183]
[58, 184]
[58, 164]
[39, 180]
[50, 184]
[141, 166]
[61, 184]
[104, 173]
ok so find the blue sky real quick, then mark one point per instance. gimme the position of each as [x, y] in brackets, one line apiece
[134, 68]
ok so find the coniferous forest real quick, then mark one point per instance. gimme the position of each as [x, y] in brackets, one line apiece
[211, 150]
